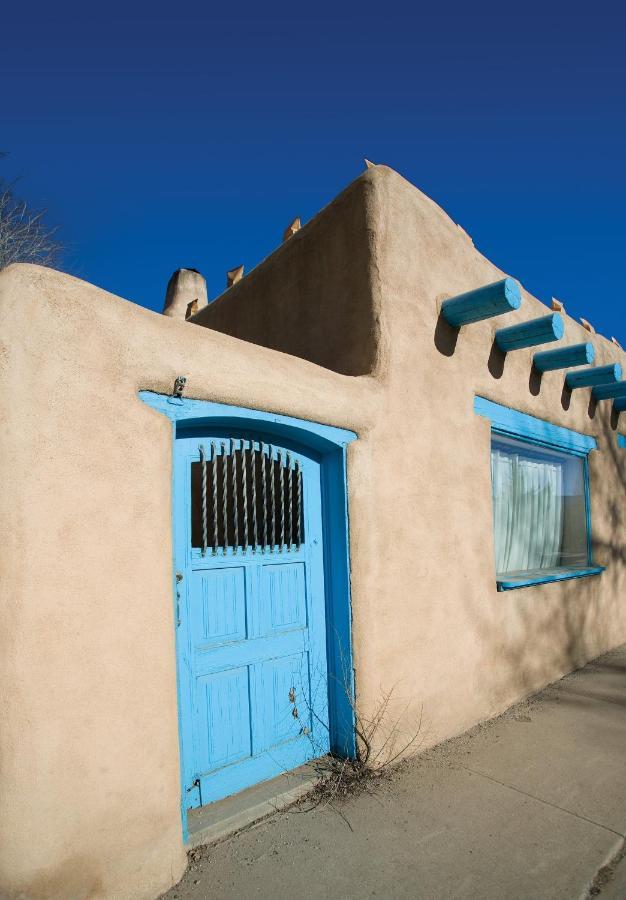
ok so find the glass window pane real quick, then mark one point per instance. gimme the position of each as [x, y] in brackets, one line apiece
[539, 508]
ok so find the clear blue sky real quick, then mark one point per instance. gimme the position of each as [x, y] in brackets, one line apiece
[190, 134]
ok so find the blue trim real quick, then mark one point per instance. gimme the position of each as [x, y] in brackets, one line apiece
[588, 509]
[514, 424]
[176, 604]
[190, 416]
[505, 420]
[201, 412]
[482, 303]
[564, 357]
[594, 376]
[621, 441]
[512, 584]
[609, 391]
[530, 334]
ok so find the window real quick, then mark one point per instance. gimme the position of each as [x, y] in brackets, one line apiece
[540, 499]
[539, 514]
[246, 497]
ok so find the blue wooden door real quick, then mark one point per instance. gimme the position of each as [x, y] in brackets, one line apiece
[251, 632]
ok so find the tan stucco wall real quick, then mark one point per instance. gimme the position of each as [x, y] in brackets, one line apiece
[313, 296]
[475, 649]
[90, 786]
[89, 789]
[422, 531]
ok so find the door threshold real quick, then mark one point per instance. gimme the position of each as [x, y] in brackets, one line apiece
[218, 820]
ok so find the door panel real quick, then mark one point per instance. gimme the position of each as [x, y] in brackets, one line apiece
[219, 614]
[252, 635]
[283, 597]
[223, 718]
[273, 681]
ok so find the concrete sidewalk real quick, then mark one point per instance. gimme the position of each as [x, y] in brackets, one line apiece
[529, 805]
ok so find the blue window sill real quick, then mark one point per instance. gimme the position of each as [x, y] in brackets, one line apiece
[527, 579]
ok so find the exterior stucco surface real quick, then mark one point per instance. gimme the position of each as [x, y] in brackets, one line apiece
[90, 773]
[478, 650]
[313, 296]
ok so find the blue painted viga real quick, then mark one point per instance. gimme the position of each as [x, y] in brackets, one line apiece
[251, 611]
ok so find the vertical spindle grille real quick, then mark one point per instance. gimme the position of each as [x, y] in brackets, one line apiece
[246, 497]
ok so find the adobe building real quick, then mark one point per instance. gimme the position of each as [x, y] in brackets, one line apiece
[373, 465]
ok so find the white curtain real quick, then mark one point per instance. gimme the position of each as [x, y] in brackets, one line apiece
[527, 511]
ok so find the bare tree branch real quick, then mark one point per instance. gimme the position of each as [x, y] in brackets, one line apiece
[24, 234]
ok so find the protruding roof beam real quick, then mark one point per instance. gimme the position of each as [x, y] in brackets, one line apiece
[619, 404]
[609, 391]
[593, 377]
[482, 303]
[529, 334]
[564, 357]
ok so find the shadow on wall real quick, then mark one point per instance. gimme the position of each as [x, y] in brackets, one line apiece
[559, 627]
[556, 627]
[446, 338]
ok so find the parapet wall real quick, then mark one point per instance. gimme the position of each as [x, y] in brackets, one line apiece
[313, 297]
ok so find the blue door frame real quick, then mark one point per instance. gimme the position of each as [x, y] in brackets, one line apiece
[195, 419]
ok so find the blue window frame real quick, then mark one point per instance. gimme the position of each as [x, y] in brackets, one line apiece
[621, 441]
[540, 489]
